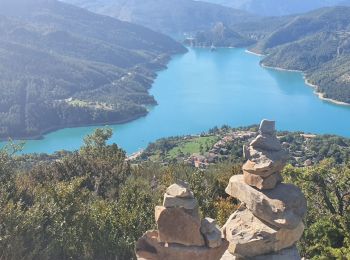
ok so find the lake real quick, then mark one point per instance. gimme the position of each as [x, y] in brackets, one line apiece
[202, 89]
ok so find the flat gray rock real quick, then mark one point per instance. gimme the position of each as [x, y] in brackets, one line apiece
[208, 225]
[175, 202]
[284, 206]
[176, 226]
[267, 127]
[179, 190]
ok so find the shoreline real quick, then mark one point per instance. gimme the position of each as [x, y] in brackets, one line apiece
[280, 69]
[315, 87]
[41, 136]
[320, 95]
[44, 132]
[254, 53]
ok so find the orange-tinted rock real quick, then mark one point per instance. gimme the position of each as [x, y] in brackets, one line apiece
[262, 183]
[265, 163]
[283, 206]
[267, 127]
[178, 202]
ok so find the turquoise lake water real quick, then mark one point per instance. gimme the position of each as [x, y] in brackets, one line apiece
[202, 89]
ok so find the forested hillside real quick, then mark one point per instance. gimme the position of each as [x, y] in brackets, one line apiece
[173, 17]
[219, 36]
[317, 43]
[62, 66]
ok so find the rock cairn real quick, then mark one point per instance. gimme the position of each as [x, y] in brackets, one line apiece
[269, 221]
[181, 233]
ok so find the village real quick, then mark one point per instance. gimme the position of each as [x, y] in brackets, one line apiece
[206, 149]
[219, 151]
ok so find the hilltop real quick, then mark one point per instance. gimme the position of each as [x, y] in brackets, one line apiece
[316, 43]
[64, 66]
[173, 17]
[277, 7]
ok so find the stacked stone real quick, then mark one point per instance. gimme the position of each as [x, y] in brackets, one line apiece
[181, 233]
[269, 221]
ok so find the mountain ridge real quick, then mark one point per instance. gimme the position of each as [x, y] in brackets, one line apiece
[279, 8]
[55, 57]
[173, 17]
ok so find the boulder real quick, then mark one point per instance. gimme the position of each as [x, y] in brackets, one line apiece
[266, 142]
[284, 206]
[179, 190]
[261, 183]
[177, 226]
[267, 127]
[148, 248]
[208, 225]
[175, 202]
[249, 236]
[285, 254]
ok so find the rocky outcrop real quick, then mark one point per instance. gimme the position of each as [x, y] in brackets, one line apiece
[250, 236]
[181, 233]
[269, 220]
[285, 254]
[284, 206]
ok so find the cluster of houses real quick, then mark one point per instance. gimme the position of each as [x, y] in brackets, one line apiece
[219, 151]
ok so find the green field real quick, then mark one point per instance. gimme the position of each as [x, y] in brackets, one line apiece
[180, 147]
[195, 145]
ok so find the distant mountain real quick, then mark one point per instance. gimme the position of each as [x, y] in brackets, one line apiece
[279, 7]
[173, 17]
[317, 43]
[62, 66]
[219, 36]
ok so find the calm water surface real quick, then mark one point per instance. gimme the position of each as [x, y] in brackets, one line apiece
[202, 89]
